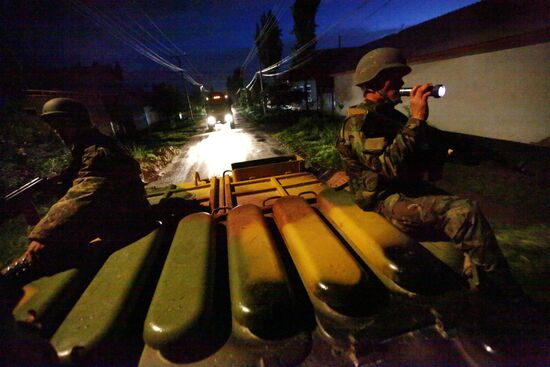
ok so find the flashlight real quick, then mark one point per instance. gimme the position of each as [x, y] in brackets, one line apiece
[437, 90]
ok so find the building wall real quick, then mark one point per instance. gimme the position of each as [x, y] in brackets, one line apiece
[500, 94]
[345, 93]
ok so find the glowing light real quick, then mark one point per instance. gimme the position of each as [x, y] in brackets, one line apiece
[226, 96]
[64, 353]
[211, 120]
[323, 286]
[245, 309]
[217, 97]
[156, 328]
[219, 149]
[181, 115]
[488, 348]
[208, 99]
[393, 267]
[440, 90]
[228, 118]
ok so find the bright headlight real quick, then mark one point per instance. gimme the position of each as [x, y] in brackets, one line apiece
[211, 120]
[228, 117]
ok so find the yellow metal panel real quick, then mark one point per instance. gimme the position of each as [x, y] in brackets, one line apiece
[400, 262]
[329, 272]
[258, 190]
[260, 296]
[297, 179]
[367, 232]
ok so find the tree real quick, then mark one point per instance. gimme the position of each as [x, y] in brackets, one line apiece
[235, 81]
[303, 12]
[268, 39]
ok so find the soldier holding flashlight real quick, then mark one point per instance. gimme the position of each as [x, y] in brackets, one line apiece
[379, 147]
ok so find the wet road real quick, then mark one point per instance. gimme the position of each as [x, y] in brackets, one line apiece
[211, 153]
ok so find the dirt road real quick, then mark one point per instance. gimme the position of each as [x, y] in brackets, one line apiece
[211, 153]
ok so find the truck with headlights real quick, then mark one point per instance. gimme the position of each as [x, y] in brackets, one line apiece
[218, 110]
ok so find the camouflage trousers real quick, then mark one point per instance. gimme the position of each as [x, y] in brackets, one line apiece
[457, 219]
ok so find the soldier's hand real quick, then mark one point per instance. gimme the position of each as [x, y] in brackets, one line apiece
[33, 248]
[419, 101]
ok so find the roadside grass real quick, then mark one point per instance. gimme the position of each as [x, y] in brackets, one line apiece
[526, 249]
[14, 239]
[310, 134]
[28, 149]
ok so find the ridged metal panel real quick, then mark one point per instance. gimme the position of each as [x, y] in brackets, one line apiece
[261, 298]
[341, 292]
[184, 294]
[102, 309]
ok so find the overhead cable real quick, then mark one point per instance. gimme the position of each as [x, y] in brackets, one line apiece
[126, 37]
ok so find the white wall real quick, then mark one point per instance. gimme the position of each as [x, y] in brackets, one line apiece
[345, 93]
[499, 94]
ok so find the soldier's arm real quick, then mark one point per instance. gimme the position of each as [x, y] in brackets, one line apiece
[74, 218]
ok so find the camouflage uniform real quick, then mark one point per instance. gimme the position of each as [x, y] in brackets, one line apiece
[107, 199]
[384, 156]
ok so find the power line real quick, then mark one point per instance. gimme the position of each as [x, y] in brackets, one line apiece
[175, 47]
[127, 37]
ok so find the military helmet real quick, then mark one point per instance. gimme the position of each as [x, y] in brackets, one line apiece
[71, 108]
[379, 60]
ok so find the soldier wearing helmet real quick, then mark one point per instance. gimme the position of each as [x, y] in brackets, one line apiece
[106, 199]
[379, 149]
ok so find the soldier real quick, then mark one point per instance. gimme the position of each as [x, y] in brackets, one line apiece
[106, 199]
[380, 147]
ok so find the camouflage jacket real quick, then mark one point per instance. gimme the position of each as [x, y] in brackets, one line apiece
[106, 193]
[378, 145]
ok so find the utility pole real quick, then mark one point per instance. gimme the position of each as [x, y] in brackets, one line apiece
[262, 91]
[185, 87]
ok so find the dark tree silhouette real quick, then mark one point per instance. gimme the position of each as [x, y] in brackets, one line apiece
[303, 12]
[268, 39]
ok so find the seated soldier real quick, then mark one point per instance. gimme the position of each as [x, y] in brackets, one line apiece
[106, 200]
[380, 147]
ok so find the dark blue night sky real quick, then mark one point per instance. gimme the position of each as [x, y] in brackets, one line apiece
[215, 35]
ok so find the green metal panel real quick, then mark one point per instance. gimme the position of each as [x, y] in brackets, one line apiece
[47, 299]
[184, 293]
[103, 306]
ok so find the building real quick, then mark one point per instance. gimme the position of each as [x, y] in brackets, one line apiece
[493, 57]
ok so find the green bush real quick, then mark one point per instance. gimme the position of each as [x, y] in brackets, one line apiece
[28, 149]
[314, 137]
